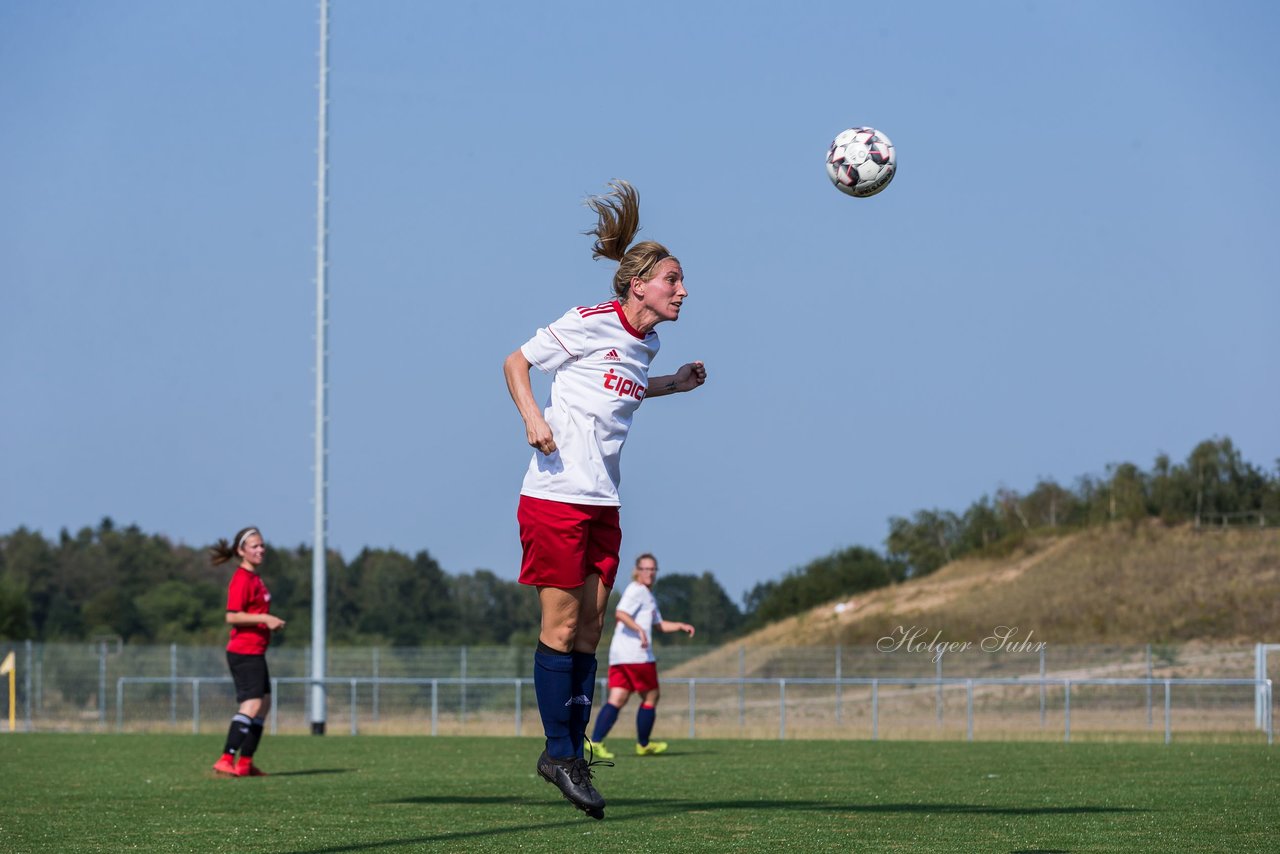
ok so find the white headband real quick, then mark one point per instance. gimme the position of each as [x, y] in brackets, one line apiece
[240, 539]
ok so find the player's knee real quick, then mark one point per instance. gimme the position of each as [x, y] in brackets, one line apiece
[562, 635]
[587, 638]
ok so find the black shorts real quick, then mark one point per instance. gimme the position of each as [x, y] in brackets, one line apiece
[249, 672]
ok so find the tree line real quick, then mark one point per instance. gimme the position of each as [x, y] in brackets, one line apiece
[111, 581]
[1214, 486]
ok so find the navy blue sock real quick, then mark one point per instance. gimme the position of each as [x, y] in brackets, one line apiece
[584, 690]
[553, 683]
[644, 723]
[604, 722]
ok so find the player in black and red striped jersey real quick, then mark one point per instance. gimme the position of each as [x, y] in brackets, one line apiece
[248, 602]
[599, 359]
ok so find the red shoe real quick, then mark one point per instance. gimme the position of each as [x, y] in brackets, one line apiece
[225, 765]
[246, 768]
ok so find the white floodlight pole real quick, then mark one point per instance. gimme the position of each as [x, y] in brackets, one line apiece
[321, 499]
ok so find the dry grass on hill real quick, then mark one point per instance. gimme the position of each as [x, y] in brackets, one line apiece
[1118, 585]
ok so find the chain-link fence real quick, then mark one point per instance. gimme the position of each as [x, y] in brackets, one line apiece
[910, 687]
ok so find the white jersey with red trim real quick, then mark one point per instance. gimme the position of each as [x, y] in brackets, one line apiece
[600, 367]
[639, 603]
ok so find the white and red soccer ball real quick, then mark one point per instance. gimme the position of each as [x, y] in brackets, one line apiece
[861, 161]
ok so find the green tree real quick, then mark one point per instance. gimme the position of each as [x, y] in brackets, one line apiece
[841, 573]
[401, 599]
[700, 600]
[981, 525]
[30, 564]
[113, 611]
[1127, 493]
[1225, 483]
[927, 541]
[492, 611]
[178, 611]
[1049, 505]
[1173, 491]
[15, 621]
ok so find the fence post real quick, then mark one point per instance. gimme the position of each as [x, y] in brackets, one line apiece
[1066, 714]
[968, 687]
[1042, 688]
[308, 690]
[742, 687]
[26, 690]
[435, 706]
[377, 684]
[463, 687]
[119, 704]
[518, 699]
[839, 686]
[875, 709]
[693, 704]
[102, 683]
[782, 709]
[1269, 698]
[1259, 673]
[1150, 676]
[938, 700]
[275, 705]
[195, 706]
[354, 731]
[173, 684]
[1168, 734]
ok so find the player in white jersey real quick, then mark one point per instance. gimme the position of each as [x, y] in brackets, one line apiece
[599, 359]
[633, 667]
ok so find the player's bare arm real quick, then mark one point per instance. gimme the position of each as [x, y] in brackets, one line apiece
[669, 626]
[243, 618]
[688, 378]
[516, 369]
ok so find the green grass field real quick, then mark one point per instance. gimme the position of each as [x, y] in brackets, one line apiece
[385, 794]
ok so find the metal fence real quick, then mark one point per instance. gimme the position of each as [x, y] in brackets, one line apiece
[915, 690]
[972, 688]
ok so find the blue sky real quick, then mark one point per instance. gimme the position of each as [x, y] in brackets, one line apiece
[1077, 263]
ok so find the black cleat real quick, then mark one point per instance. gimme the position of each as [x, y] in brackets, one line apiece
[573, 778]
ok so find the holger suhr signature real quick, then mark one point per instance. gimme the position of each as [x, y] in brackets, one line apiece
[916, 639]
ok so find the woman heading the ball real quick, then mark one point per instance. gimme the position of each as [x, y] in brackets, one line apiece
[248, 602]
[633, 667]
[598, 357]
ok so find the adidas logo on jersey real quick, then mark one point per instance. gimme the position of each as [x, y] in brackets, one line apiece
[612, 356]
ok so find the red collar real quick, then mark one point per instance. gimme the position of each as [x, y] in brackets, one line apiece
[626, 324]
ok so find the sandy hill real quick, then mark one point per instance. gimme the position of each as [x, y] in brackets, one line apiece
[1118, 585]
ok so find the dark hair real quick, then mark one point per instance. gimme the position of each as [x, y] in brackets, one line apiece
[617, 221]
[222, 551]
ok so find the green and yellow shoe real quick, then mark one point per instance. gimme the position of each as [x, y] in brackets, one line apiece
[598, 750]
[653, 748]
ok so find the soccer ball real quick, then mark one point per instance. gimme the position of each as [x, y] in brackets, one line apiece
[861, 162]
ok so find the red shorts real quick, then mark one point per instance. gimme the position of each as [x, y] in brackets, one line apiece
[641, 678]
[564, 543]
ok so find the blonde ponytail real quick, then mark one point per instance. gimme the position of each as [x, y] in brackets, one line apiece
[617, 222]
